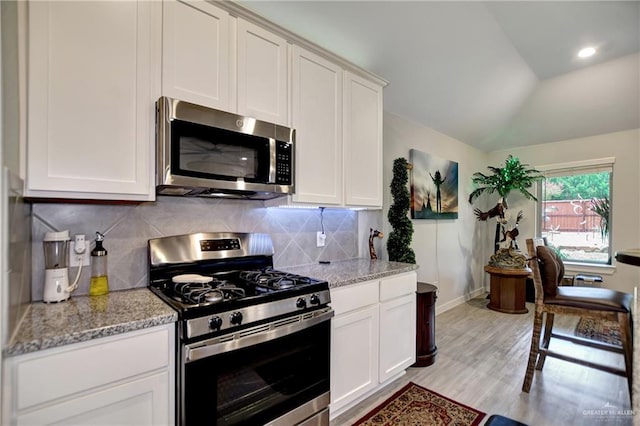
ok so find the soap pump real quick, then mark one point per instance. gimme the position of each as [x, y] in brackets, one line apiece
[99, 281]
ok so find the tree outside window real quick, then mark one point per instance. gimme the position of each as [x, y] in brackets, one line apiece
[575, 213]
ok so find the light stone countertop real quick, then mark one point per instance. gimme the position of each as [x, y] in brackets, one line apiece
[85, 318]
[345, 272]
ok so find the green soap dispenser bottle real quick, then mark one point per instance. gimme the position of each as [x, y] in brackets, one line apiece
[99, 281]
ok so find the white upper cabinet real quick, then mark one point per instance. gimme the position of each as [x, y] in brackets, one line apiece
[91, 80]
[338, 134]
[317, 118]
[96, 70]
[362, 141]
[196, 49]
[213, 59]
[262, 74]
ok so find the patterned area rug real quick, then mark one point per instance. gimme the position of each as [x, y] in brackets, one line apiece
[414, 405]
[600, 330]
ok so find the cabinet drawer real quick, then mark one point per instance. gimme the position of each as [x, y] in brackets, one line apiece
[57, 373]
[355, 296]
[140, 402]
[397, 286]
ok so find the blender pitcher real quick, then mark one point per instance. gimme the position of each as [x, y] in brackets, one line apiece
[56, 274]
[56, 262]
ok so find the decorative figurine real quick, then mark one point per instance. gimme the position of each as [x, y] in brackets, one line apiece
[373, 233]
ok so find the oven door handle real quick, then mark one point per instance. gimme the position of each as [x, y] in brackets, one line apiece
[255, 335]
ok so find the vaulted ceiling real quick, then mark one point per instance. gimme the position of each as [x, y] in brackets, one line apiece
[490, 74]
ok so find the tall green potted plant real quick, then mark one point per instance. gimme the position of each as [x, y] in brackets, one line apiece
[513, 176]
[399, 242]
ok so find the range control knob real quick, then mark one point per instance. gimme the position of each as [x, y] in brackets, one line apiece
[301, 303]
[215, 323]
[236, 318]
[314, 299]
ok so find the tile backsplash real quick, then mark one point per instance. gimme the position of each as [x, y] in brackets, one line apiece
[127, 228]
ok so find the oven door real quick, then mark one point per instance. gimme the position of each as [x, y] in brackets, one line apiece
[277, 372]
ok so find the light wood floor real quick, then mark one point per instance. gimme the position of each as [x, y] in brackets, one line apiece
[481, 362]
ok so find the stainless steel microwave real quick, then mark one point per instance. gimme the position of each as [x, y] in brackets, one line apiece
[205, 152]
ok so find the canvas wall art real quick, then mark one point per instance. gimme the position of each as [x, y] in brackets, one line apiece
[434, 187]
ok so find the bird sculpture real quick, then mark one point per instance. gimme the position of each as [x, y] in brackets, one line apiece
[497, 210]
[509, 235]
[373, 233]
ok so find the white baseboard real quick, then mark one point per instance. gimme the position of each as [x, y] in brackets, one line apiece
[460, 300]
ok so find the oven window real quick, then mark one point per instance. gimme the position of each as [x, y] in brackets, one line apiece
[212, 153]
[257, 384]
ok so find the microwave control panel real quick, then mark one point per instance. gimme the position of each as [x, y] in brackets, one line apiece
[284, 163]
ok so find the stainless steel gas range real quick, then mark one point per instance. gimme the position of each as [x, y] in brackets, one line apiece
[253, 342]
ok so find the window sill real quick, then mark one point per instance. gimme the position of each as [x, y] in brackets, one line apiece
[589, 268]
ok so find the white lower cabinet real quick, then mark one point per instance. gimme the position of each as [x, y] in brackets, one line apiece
[131, 403]
[125, 380]
[354, 372]
[397, 336]
[373, 337]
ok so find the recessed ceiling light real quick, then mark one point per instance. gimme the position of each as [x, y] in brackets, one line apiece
[587, 52]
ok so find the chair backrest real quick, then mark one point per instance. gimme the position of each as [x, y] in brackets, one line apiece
[546, 266]
[532, 245]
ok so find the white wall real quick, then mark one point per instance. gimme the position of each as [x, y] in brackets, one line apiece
[625, 224]
[449, 252]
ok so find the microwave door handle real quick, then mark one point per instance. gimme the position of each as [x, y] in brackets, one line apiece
[272, 160]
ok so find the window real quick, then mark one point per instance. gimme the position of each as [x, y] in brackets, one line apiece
[574, 202]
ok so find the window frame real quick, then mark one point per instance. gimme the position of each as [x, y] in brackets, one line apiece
[578, 167]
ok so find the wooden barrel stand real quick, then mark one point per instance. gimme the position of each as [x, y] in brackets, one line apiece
[508, 290]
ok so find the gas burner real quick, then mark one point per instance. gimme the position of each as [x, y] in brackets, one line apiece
[198, 290]
[270, 279]
[230, 289]
[197, 293]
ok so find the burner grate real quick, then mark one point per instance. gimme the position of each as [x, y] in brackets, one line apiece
[198, 293]
[269, 279]
[204, 290]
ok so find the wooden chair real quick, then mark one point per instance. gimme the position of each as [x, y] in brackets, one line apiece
[587, 302]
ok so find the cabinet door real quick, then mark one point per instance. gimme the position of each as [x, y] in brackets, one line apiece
[262, 74]
[354, 355]
[397, 336]
[362, 142]
[126, 379]
[317, 118]
[196, 53]
[92, 78]
[144, 401]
